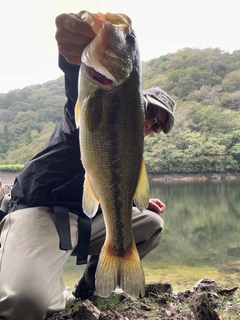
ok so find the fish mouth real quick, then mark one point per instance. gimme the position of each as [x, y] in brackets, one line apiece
[99, 77]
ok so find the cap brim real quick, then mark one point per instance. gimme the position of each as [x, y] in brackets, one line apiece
[168, 126]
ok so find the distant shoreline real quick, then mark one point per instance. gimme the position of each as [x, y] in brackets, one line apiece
[8, 177]
[202, 176]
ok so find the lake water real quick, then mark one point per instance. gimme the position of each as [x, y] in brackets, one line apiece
[201, 236]
[202, 233]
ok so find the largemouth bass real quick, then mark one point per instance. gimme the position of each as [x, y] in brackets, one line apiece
[109, 114]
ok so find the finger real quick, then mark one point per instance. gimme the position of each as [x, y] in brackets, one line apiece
[73, 24]
[71, 45]
[161, 204]
[154, 207]
[64, 36]
[72, 53]
[157, 202]
[159, 210]
[73, 59]
[79, 14]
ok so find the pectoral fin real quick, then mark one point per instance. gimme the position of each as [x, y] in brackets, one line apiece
[93, 115]
[93, 112]
[141, 196]
[90, 202]
[77, 113]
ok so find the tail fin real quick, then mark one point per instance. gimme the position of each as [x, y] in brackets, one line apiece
[124, 272]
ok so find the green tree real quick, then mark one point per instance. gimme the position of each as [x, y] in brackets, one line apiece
[231, 82]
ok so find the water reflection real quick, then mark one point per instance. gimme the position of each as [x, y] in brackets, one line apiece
[201, 236]
[201, 222]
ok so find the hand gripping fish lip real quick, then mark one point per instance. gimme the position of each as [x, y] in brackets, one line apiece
[107, 58]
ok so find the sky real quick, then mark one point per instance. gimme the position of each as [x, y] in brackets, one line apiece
[29, 52]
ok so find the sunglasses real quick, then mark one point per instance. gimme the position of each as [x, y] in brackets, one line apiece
[151, 112]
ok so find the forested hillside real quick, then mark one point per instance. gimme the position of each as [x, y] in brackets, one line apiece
[206, 136]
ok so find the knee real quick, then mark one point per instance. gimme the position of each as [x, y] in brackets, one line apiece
[147, 224]
[147, 229]
[154, 221]
[22, 305]
[29, 300]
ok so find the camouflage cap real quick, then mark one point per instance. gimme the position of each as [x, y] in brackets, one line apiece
[161, 99]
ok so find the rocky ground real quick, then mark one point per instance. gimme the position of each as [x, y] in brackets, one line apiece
[207, 300]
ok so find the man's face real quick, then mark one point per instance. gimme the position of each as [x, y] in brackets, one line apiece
[155, 118]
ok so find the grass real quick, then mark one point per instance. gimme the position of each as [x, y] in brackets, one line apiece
[181, 277]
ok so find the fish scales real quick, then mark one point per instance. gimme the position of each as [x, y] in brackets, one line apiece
[109, 113]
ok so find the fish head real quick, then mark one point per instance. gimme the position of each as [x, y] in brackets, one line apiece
[110, 58]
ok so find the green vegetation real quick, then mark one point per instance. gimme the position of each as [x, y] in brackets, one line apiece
[102, 303]
[206, 136]
[11, 167]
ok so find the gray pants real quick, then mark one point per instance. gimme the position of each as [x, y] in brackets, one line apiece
[31, 262]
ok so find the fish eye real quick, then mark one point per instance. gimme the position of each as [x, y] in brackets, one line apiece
[130, 38]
